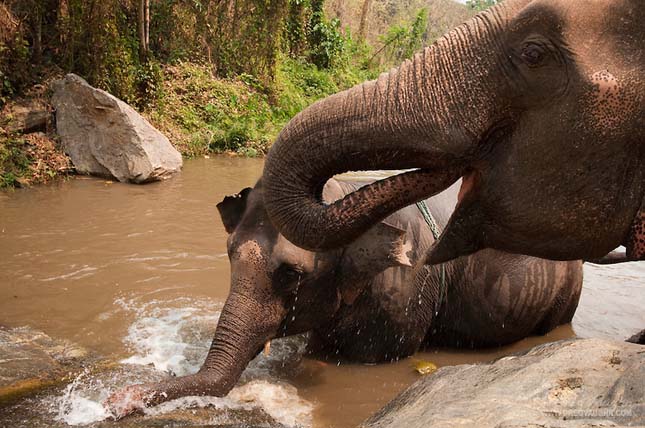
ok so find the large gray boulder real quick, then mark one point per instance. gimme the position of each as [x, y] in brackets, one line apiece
[570, 383]
[104, 136]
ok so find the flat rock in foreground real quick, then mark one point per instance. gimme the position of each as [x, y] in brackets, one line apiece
[31, 360]
[104, 136]
[570, 383]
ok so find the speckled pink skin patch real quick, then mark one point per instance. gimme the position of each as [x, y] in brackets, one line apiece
[611, 101]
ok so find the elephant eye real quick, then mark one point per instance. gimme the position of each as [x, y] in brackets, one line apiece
[287, 277]
[532, 54]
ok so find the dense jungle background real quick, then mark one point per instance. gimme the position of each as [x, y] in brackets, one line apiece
[213, 75]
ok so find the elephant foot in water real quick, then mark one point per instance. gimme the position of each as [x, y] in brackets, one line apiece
[135, 398]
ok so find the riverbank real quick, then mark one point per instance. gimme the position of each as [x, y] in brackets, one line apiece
[199, 113]
[229, 90]
[29, 151]
[202, 114]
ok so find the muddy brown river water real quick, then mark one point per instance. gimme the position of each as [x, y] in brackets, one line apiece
[139, 273]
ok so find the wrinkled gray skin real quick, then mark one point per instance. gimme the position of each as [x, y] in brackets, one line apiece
[371, 301]
[539, 105]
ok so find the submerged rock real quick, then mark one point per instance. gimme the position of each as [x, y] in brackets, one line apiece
[104, 136]
[31, 360]
[569, 383]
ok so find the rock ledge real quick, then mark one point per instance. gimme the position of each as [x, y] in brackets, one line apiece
[569, 383]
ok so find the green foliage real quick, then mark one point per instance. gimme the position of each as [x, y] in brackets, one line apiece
[402, 41]
[203, 114]
[100, 45]
[221, 75]
[14, 162]
[481, 4]
[325, 40]
[149, 80]
[14, 66]
[296, 27]
[98, 39]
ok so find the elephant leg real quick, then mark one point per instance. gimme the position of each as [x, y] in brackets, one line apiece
[636, 239]
[570, 309]
[635, 243]
[317, 346]
[563, 309]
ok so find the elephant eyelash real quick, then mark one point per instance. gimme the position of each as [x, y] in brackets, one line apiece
[533, 54]
[294, 273]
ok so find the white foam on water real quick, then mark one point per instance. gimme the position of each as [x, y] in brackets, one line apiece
[174, 337]
[81, 401]
[159, 339]
[83, 411]
[279, 401]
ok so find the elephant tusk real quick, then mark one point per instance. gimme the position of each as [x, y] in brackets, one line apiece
[267, 348]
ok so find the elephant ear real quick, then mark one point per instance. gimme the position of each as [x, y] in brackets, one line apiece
[232, 208]
[382, 247]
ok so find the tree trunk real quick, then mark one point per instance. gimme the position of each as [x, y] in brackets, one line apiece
[338, 9]
[144, 17]
[62, 21]
[362, 27]
[147, 24]
[38, 36]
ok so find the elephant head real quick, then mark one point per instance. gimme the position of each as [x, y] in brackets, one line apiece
[538, 104]
[277, 290]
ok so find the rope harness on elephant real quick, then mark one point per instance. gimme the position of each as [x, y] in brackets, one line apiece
[434, 228]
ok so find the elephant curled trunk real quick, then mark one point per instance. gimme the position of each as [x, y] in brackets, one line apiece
[406, 119]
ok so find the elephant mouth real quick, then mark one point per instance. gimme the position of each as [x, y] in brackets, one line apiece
[499, 134]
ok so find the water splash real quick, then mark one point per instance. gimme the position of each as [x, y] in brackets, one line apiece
[173, 337]
[279, 401]
[174, 340]
[80, 403]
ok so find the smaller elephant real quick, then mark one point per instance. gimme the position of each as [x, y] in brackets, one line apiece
[373, 300]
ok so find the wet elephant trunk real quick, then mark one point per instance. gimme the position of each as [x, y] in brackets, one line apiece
[240, 333]
[410, 118]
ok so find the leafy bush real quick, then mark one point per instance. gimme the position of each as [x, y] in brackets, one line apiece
[481, 4]
[13, 161]
[149, 78]
[402, 41]
[201, 113]
[15, 70]
[326, 43]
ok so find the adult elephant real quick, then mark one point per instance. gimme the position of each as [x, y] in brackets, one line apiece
[373, 300]
[540, 107]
